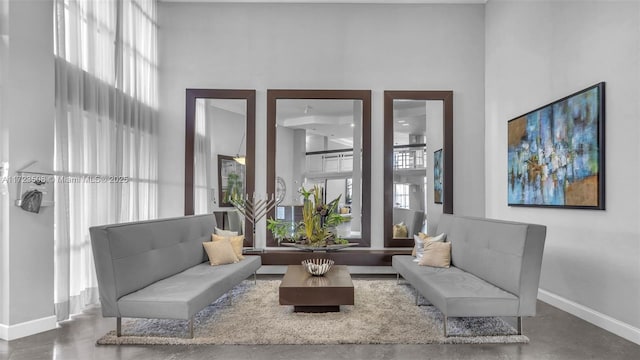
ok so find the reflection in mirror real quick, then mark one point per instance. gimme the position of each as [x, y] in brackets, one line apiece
[219, 154]
[319, 138]
[413, 165]
[418, 163]
[320, 143]
[231, 182]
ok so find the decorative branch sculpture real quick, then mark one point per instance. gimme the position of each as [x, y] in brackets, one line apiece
[254, 209]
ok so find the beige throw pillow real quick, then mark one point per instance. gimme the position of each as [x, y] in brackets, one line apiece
[237, 242]
[220, 252]
[400, 231]
[225, 232]
[436, 254]
[419, 243]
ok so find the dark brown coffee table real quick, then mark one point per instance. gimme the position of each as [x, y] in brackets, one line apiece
[308, 293]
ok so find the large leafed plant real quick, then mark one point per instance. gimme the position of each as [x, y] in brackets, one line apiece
[319, 219]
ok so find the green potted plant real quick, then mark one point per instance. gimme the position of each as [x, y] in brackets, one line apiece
[319, 220]
[280, 229]
[234, 187]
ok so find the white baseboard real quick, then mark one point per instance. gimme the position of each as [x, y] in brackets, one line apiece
[16, 331]
[599, 319]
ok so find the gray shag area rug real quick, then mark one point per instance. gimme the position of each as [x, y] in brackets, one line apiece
[384, 313]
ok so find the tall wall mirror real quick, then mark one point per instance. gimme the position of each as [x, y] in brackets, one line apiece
[219, 154]
[418, 146]
[320, 138]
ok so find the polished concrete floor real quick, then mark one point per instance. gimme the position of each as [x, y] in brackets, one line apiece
[554, 334]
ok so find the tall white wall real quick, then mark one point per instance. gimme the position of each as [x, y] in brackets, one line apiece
[435, 114]
[324, 46]
[538, 52]
[26, 251]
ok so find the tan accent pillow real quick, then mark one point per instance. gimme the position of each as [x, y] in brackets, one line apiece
[399, 231]
[220, 252]
[436, 254]
[237, 242]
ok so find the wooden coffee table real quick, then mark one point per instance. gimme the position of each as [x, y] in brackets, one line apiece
[308, 293]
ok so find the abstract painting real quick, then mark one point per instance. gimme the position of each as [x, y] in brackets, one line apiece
[437, 176]
[556, 153]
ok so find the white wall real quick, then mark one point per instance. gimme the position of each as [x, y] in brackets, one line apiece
[324, 46]
[539, 52]
[26, 263]
[435, 114]
[4, 158]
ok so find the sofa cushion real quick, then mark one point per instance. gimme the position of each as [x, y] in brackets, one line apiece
[456, 292]
[184, 294]
[144, 252]
[464, 294]
[492, 250]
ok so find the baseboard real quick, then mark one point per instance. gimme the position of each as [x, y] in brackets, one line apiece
[16, 331]
[599, 319]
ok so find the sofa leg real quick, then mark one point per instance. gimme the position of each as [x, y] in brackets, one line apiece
[519, 325]
[445, 326]
[255, 279]
[417, 296]
[191, 328]
[118, 326]
[397, 278]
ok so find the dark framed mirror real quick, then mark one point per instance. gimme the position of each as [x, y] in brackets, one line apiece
[418, 163]
[219, 154]
[323, 138]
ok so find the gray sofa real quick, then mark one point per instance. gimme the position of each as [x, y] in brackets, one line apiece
[159, 269]
[495, 269]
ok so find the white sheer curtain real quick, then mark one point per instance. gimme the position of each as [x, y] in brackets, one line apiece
[105, 131]
[202, 156]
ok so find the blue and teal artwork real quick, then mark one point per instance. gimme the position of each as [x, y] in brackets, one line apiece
[556, 153]
[437, 177]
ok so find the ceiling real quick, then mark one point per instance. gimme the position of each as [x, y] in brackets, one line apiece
[332, 118]
[293, 108]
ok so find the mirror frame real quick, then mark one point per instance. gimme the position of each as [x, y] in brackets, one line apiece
[363, 95]
[191, 96]
[447, 207]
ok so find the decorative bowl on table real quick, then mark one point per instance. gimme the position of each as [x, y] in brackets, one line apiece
[317, 267]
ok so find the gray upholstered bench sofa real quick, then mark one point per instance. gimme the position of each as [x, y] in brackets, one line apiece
[495, 269]
[159, 269]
